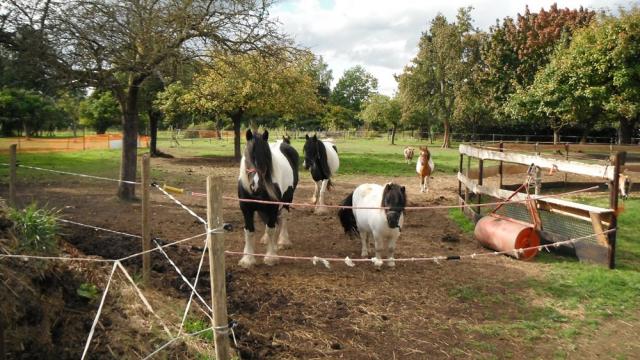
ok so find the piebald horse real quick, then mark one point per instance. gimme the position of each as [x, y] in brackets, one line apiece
[267, 172]
[424, 168]
[321, 159]
[383, 225]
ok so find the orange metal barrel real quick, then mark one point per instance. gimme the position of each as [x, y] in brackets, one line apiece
[505, 234]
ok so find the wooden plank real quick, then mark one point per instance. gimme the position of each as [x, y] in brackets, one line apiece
[574, 167]
[146, 215]
[575, 209]
[598, 229]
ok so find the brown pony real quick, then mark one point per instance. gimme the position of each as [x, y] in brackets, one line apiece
[408, 154]
[424, 168]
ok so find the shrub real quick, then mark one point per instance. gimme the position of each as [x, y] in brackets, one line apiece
[35, 229]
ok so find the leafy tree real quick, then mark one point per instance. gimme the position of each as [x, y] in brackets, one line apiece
[594, 79]
[28, 112]
[251, 85]
[338, 117]
[354, 88]
[517, 49]
[119, 44]
[382, 111]
[323, 75]
[100, 111]
[435, 74]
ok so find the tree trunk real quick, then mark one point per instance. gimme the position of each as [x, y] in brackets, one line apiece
[585, 134]
[393, 135]
[625, 131]
[129, 143]
[154, 119]
[446, 143]
[236, 117]
[556, 136]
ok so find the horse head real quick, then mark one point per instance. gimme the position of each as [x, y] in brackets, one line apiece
[394, 200]
[311, 151]
[286, 138]
[258, 163]
[425, 154]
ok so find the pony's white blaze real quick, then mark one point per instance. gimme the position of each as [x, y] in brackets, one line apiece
[372, 223]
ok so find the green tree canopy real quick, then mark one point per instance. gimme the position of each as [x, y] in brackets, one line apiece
[353, 88]
[100, 111]
[255, 86]
[381, 111]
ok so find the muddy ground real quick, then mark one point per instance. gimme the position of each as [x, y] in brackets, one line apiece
[293, 309]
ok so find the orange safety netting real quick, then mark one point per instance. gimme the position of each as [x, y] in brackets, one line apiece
[89, 142]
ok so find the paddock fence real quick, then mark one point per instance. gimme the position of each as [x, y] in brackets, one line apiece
[560, 219]
[214, 229]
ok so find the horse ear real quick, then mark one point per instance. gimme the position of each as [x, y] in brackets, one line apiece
[315, 137]
[249, 135]
[265, 135]
[306, 136]
[402, 189]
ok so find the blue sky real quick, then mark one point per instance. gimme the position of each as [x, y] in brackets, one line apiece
[382, 35]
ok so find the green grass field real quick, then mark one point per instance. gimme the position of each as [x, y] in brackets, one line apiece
[566, 285]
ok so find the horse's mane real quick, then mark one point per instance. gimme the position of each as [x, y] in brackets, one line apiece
[318, 149]
[396, 196]
[258, 153]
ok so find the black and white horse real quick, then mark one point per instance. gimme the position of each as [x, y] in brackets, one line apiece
[380, 224]
[321, 159]
[267, 172]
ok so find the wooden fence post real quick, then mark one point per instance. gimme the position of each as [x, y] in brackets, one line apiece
[613, 204]
[500, 168]
[84, 138]
[566, 157]
[460, 171]
[12, 174]
[217, 268]
[146, 210]
[480, 176]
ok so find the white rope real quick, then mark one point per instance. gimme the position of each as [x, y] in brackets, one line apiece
[143, 298]
[74, 174]
[349, 262]
[95, 320]
[174, 340]
[183, 277]
[99, 228]
[182, 205]
[193, 290]
[165, 246]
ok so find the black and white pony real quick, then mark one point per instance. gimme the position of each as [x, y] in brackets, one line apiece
[383, 225]
[267, 172]
[321, 159]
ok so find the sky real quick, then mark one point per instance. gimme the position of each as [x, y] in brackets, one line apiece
[382, 35]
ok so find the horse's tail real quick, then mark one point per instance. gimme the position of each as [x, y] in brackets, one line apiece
[347, 218]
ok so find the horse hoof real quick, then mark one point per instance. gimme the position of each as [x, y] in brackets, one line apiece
[247, 261]
[364, 254]
[283, 245]
[377, 262]
[270, 260]
[321, 210]
[391, 264]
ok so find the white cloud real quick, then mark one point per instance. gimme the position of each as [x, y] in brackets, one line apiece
[382, 35]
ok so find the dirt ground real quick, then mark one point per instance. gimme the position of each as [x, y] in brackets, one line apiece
[296, 309]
